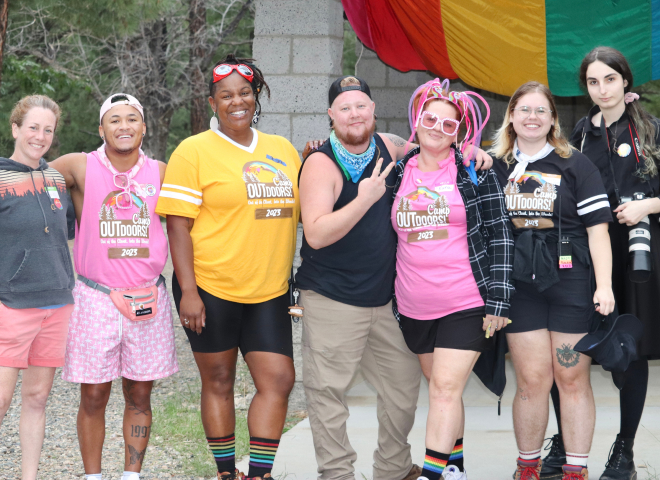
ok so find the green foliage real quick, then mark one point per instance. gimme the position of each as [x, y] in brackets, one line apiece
[350, 57]
[77, 129]
[178, 424]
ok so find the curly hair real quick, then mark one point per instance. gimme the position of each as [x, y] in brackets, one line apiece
[258, 83]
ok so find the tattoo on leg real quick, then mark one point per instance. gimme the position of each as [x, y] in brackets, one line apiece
[136, 456]
[128, 387]
[567, 357]
[522, 394]
[140, 431]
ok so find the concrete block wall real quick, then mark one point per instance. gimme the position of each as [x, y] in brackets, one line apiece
[298, 44]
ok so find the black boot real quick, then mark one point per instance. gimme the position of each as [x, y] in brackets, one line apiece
[620, 465]
[554, 460]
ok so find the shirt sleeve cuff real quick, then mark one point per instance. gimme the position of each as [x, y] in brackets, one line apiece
[497, 308]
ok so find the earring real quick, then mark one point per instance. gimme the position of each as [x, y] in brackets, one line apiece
[213, 124]
[143, 134]
[102, 137]
[255, 117]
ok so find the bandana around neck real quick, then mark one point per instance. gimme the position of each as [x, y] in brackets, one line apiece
[353, 165]
[524, 159]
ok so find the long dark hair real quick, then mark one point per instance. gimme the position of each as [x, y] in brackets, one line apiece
[258, 83]
[642, 121]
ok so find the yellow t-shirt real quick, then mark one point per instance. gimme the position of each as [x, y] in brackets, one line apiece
[245, 204]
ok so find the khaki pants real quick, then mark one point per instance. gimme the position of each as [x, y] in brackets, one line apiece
[336, 339]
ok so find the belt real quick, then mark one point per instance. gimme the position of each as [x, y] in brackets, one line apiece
[106, 290]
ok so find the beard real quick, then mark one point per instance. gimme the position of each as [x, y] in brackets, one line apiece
[348, 138]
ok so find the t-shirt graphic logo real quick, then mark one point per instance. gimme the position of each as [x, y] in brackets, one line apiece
[531, 200]
[130, 237]
[435, 214]
[265, 181]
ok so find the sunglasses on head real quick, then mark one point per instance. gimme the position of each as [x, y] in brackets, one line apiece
[224, 70]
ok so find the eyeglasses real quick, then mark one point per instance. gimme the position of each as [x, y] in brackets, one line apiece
[224, 70]
[540, 112]
[123, 200]
[449, 126]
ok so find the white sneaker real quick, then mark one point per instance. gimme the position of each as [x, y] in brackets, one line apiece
[453, 473]
[422, 478]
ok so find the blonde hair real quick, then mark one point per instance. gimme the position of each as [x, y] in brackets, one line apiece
[505, 137]
[25, 104]
[348, 81]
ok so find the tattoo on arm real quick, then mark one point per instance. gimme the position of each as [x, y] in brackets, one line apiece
[128, 387]
[567, 357]
[136, 456]
[395, 139]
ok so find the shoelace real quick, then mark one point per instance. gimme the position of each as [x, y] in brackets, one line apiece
[615, 456]
[529, 473]
[572, 476]
[554, 446]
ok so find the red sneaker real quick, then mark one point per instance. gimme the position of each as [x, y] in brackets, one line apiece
[528, 469]
[575, 472]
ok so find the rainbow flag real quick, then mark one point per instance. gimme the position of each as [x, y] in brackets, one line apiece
[497, 45]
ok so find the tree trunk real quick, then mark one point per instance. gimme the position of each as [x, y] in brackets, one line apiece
[4, 15]
[199, 119]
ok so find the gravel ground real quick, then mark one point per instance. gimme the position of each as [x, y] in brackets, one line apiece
[60, 458]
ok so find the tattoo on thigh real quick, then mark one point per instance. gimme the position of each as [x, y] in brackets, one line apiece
[128, 387]
[522, 394]
[136, 456]
[567, 357]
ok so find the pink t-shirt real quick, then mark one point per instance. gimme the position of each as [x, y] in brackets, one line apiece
[120, 248]
[434, 277]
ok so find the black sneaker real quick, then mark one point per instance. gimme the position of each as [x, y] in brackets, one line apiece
[620, 465]
[554, 460]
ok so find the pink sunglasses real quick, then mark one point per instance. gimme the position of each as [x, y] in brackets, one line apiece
[449, 126]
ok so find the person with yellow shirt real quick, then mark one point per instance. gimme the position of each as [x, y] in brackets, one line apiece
[231, 200]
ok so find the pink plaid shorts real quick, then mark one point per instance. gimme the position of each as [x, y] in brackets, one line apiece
[104, 345]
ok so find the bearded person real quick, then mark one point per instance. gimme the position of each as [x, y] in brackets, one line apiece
[345, 281]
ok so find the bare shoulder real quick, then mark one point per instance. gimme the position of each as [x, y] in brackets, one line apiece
[319, 165]
[396, 140]
[68, 161]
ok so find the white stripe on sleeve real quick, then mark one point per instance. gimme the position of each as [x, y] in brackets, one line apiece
[185, 189]
[589, 209]
[181, 196]
[583, 202]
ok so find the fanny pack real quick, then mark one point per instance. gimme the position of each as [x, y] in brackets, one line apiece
[136, 304]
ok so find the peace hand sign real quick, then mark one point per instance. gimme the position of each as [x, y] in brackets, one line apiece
[372, 188]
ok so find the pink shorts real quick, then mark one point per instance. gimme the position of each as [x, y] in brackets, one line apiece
[33, 336]
[104, 345]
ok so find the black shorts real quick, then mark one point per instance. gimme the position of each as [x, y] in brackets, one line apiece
[252, 327]
[459, 330]
[566, 307]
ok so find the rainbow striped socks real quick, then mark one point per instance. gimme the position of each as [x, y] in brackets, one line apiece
[434, 464]
[262, 456]
[456, 457]
[224, 452]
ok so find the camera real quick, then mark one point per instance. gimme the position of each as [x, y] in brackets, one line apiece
[639, 245]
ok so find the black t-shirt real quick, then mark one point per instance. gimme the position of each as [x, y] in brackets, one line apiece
[533, 201]
[627, 165]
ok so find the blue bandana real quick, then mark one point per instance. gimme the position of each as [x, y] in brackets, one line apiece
[353, 165]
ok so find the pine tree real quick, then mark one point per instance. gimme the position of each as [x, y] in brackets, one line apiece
[103, 214]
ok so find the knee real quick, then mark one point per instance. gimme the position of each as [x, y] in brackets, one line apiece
[535, 382]
[444, 392]
[572, 381]
[280, 383]
[35, 399]
[138, 394]
[93, 400]
[5, 403]
[220, 381]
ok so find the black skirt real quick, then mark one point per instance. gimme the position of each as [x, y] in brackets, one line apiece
[639, 299]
